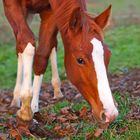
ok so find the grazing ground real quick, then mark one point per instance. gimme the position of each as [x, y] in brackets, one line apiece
[71, 118]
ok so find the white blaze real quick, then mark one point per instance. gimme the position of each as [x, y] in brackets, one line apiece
[104, 91]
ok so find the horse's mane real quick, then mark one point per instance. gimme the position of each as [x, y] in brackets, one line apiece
[64, 11]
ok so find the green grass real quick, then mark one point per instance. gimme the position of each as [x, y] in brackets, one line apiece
[123, 42]
[126, 6]
[7, 65]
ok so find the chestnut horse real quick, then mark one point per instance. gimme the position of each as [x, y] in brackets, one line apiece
[86, 55]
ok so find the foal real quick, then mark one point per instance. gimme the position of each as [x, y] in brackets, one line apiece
[86, 55]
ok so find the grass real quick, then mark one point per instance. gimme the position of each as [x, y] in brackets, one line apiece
[124, 44]
[126, 6]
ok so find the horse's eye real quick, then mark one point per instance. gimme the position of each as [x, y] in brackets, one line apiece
[80, 61]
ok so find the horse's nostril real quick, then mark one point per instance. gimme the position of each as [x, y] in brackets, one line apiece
[103, 116]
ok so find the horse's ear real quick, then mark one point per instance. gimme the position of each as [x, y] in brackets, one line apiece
[75, 23]
[103, 19]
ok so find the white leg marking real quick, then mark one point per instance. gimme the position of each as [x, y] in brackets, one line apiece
[55, 76]
[27, 58]
[36, 90]
[103, 84]
[17, 89]
[25, 113]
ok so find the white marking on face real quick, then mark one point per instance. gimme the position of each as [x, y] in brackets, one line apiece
[36, 90]
[104, 91]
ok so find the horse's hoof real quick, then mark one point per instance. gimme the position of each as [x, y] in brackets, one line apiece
[58, 95]
[22, 124]
[25, 114]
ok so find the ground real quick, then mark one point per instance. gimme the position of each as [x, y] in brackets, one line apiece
[71, 117]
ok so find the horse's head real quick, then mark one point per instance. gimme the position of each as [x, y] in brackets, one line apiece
[86, 61]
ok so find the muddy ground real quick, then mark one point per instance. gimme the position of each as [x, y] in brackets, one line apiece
[128, 83]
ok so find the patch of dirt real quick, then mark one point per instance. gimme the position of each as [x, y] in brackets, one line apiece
[126, 83]
[67, 122]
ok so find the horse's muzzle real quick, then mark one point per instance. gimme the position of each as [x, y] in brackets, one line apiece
[108, 117]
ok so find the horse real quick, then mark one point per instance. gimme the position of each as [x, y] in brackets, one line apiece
[86, 56]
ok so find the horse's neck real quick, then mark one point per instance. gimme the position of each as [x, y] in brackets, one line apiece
[57, 3]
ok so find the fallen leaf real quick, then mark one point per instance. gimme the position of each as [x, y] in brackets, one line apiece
[123, 130]
[51, 117]
[3, 124]
[90, 136]
[63, 131]
[15, 134]
[62, 118]
[72, 117]
[3, 108]
[3, 136]
[83, 111]
[134, 114]
[65, 110]
[57, 127]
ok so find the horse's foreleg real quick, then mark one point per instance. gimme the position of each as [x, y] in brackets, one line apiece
[16, 95]
[25, 45]
[41, 56]
[47, 40]
[39, 68]
[25, 113]
[55, 76]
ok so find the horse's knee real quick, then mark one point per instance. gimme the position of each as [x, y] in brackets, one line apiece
[23, 38]
[29, 50]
